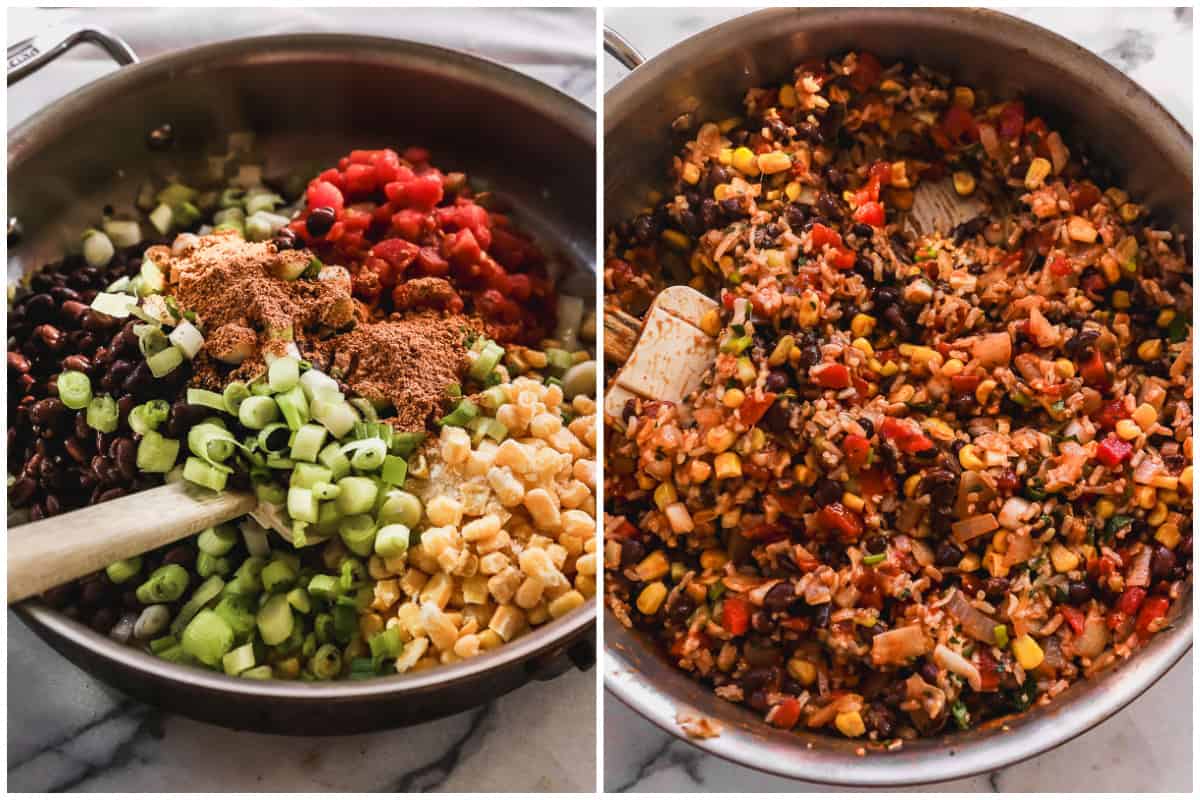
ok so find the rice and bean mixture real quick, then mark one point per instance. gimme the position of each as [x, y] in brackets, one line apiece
[929, 480]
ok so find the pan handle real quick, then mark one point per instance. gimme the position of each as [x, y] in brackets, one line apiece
[619, 48]
[29, 55]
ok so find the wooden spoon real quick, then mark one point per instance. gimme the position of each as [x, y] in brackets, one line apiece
[55, 550]
[666, 355]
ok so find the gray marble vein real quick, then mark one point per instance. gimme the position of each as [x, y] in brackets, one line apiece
[1147, 747]
[68, 732]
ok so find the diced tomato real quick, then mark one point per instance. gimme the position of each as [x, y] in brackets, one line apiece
[906, 434]
[1084, 195]
[824, 235]
[753, 408]
[423, 191]
[462, 248]
[990, 672]
[836, 516]
[870, 213]
[796, 624]
[1093, 371]
[322, 193]
[857, 449]
[866, 73]
[1074, 618]
[409, 223]
[965, 383]
[735, 615]
[1059, 266]
[1153, 610]
[766, 532]
[1113, 451]
[843, 258]
[958, 122]
[876, 481]
[786, 714]
[1131, 600]
[396, 252]
[361, 178]
[831, 376]
[1012, 120]
[1112, 413]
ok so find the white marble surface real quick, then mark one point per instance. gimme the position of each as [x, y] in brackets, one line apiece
[1148, 746]
[66, 731]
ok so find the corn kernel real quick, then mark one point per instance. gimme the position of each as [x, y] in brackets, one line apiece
[745, 162]
[910, 485]
[733, 398]
[774, 162]
[1105, 508]
[1159, 515]
[664, 495]
[804, 475]
[983, 390]
[850, 723]
[713, 558]
[862, 325]
[722, 191]
[727, 465]
[1039, 168]
[863, 346]
[1110, 268]
[1185, 477]
[1165, 318]
[969, 459]
[1127, 429]
[1168, 536]
[964, 97]
[1167, 482]
[1130, 212]
[1146, 416]
[996, 566]
[651, 598]
[792, 190]
[1146, 497]
[1029, 654]
[1065, 368]
[675, 240]
[782, 348]
[964, 183]
[889, 369]
[691, 173]
[900, 174]
[653, 566]
[802, 670]
[1064, 560]
[1000, 541]
[1118, 197]
[853, 502]
[969, 562]
[890, 86]
[710, 322]
[1150, 349]
[746, 373]
[809, 312]
[952, 367]
[725, 156]
[1120, 299]
[1081, 230]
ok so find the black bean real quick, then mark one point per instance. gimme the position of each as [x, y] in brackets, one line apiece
[45, 413]
[181, 554]
[681, 609]
[780, 596]
[126, 458]
[876, 545]
[863, 231]
[632, 552]
[320, 221]
[285, 239]
[49, 336]
[826, 492]
[1162, 563]
[39, 308]
[929, 672]
[22, 491]
[111, 494]
[716, 176]
[948, 554]
[1078, 593]
[73, 312]
[777, 380]
[828, 205]
[995, 587]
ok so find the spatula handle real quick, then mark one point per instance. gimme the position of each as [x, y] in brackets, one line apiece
[53, 551]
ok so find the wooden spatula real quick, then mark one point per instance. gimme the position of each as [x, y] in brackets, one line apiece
[666, 355]
[55, 550]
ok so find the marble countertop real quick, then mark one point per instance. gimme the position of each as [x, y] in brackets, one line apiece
[67, 731]
[1146, 747]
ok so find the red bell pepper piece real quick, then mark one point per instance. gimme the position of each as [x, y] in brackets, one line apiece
[965, 383]
[836, 516]
[1093, 371]
[786, 714]
[824, 235]
[766, 532]
[857, 449]
[905, 434]
[1074, 618]
[1113, 451]
[875, 481]
[1131, 600]
[1154, 609]
[1012, 120]
[957, 122]
[1059, 266]
[1112, 413]
[831, 376]
[735, 615]
[753, 408]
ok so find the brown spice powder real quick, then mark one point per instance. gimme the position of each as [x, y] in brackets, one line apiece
[406, 361]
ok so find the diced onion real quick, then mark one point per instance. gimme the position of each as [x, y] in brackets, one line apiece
[187, 337]
[1139, 572]
[974, 622]
[1015, 511]
[97, 249]
[113, 305]
[965, 530]
[947, 659]
[899, 645]
[123, 233]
